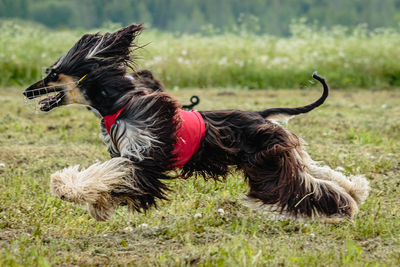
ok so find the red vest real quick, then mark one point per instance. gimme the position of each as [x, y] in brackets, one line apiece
[189, 134]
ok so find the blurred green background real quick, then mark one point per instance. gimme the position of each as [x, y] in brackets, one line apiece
[190, 16]
[254, 44]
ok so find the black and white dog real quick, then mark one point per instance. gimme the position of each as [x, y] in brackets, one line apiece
[148, 135]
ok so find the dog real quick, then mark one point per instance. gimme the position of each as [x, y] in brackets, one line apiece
[147, 80]
[149, 136]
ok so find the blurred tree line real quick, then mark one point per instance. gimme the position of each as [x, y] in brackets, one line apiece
[257, 16]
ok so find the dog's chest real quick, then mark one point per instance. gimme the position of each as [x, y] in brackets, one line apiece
[129, 140]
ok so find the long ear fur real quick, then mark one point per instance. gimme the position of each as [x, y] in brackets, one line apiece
[94, 51]
[118, 44]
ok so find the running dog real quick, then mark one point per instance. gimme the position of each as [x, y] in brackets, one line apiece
[148, 135]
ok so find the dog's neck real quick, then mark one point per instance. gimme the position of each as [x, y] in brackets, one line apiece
[109, 94]
[109, 120]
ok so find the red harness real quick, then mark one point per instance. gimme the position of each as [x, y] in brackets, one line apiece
[189, 134]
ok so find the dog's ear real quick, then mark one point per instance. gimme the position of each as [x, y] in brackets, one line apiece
[125, 36]
[94, 51]
[116, 45]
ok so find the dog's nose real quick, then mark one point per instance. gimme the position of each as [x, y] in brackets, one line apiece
[33, 90]
[28, 94]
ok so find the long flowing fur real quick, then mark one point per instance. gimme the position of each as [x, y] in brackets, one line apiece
[95, 185]
[281, 176]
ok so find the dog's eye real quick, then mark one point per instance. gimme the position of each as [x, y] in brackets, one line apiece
[53, 76]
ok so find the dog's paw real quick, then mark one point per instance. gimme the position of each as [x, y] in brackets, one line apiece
[63, 185]
[102, 212]
[360, 188]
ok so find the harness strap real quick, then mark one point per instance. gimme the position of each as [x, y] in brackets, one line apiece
[189, 134]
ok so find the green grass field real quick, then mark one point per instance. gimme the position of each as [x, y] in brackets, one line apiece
[347, 58]
[357, 130]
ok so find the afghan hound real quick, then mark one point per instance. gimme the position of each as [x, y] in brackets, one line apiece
[148, 135]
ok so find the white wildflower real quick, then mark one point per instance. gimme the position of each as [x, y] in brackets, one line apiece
[221, 212]
[128, 229]
[223, 61]
[2, 165]
[144, 225]
[157, 58]
[197, 215]
[384, 106]
[264, 59]
[240, 63]
[279, 60]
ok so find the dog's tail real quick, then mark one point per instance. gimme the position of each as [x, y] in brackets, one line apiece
[276, 112]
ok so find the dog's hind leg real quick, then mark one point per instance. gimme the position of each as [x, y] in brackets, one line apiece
[356, 185]
[279, 180]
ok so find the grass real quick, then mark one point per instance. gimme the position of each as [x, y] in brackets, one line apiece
[358, 131]
[348, 59]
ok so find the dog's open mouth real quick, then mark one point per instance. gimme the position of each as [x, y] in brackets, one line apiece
[45, 100]
[50, 101]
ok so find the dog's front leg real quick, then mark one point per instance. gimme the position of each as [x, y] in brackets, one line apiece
[95, 185]
[104, 186]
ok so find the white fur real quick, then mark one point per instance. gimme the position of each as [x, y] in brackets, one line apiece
[132, 141]
[93, 52]
[274, 211]
[92, 186]
[279, 118]
[133, 137]
[357, 185]
[355, 189]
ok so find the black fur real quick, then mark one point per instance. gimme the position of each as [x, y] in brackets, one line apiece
[145, 133]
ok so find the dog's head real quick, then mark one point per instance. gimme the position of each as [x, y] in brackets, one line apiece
[92, 72]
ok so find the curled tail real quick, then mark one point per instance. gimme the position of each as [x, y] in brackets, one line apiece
[194, 101]
[268, 113]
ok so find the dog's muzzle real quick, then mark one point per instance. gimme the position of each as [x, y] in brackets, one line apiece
[44, 98]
